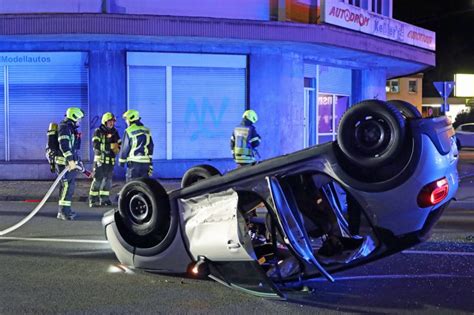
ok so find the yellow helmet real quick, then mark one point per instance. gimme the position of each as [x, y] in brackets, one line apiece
[251, 115]
[74, 113]
[106, 117]
[131, 115]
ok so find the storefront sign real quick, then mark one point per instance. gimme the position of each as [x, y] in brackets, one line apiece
[42, 58]
[355, 18]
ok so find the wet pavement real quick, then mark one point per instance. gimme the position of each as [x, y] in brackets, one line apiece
[51, 266]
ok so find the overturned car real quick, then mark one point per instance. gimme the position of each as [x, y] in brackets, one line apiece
[265, 228]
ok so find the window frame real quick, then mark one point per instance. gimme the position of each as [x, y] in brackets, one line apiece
[392, 86]
[415, 91]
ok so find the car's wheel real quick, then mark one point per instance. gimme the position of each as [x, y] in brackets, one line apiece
[197, 173]
[144, 211]
[371, 133]
[407, 110]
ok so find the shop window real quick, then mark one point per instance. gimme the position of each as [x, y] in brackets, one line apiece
[394, 86]
[331, 107]
[412, 86]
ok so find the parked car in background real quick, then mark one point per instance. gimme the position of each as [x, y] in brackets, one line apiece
[465, 136]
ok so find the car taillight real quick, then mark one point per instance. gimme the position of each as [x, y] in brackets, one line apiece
[433, 193]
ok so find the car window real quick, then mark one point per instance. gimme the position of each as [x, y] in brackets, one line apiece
[468, 128]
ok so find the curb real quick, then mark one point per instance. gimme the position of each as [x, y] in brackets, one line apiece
[24, 199]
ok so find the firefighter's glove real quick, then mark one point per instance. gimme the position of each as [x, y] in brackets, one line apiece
[115, 147]
[150, 170]
[52, 168]
[72, 165]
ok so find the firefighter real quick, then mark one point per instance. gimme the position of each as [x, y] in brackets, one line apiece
[245, 139]
[106, 144]
[137, 147]
[68, 156]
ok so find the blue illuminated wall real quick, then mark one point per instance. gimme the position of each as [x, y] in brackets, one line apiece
[274, 89]
[276, 93]
[232, 9]
[271, 80]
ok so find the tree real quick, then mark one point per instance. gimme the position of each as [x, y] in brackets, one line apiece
[464, 117]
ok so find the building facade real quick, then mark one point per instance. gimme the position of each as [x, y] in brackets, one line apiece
[192, 70]
[409, 89]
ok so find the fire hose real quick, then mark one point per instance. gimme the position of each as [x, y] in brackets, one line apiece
[80, 167]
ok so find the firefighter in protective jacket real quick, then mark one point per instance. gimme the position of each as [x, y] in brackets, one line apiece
[137, 147]
[245, 139]
[106, 144]
[68, 156]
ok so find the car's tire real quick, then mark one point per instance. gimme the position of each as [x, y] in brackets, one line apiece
[197, 173]
[144, 212]
[371, 133]
[407, 110]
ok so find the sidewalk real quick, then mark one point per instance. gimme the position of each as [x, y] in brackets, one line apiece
[35, 190]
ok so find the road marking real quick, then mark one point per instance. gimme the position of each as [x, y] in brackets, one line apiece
[57, 240]
[428, 252]
[368, 277]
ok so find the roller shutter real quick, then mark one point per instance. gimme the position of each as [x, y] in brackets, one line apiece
[191, 102]
[147, 94]
[207, 105]
[39, 95]
[2, 115]
[335, 80]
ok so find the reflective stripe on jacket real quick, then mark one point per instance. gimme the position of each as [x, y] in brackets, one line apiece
[69, 142]
[137, 144]
[101, 141]
[244, 139]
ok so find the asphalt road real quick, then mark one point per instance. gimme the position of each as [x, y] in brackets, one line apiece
[52, 266]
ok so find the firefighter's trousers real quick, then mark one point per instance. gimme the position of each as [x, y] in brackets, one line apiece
[101, 184]
[66, 189]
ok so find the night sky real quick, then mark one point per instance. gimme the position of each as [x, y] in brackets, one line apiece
[453, 22]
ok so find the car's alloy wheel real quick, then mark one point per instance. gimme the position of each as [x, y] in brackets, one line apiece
[198, 173]
[371, 133]
[144, 212]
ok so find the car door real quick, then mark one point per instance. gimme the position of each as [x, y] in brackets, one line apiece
[215, 232]
[469, 135]
[293, 227]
